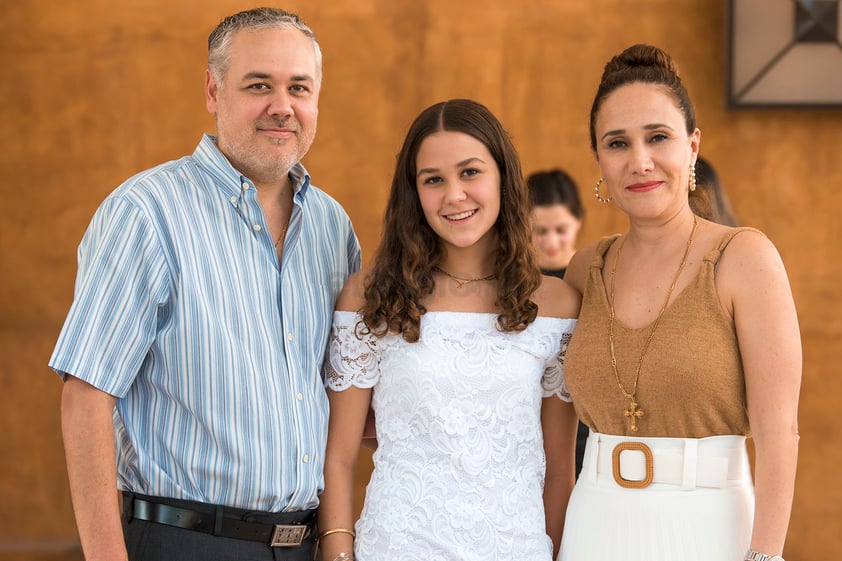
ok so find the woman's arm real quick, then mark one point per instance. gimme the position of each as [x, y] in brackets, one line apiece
[556, 298]
[559, 424]
[770, 345]
[348, 410]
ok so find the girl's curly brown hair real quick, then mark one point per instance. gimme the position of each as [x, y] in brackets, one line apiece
[402, 271]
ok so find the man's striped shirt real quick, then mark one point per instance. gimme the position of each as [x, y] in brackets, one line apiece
[213, 347]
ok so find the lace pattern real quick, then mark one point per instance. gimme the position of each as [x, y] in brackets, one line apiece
[352, 358]
[459, 468]
[553, 382]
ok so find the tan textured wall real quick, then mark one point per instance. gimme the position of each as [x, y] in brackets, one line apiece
[95, 90]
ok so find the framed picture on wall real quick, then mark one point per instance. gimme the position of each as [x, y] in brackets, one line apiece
[785, 53]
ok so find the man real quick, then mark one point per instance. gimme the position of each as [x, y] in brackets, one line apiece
[201, 314]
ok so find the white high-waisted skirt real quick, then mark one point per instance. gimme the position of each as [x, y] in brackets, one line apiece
[699, 505]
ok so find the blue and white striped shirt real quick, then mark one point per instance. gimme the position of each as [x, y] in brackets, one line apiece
[212, 346]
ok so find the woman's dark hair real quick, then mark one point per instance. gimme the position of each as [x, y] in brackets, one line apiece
[649, 65]
[709, 199]
[402, 271]
[554, 187]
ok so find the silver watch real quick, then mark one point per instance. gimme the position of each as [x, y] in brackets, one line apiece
[752, 555]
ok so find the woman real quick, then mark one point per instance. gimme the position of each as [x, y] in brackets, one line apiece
[557, 215]
[687, 343]
[456, 341]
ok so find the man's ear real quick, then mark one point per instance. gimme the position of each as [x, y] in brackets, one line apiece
[211, 91]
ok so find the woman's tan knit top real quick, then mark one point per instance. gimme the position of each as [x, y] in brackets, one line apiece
[691, 381]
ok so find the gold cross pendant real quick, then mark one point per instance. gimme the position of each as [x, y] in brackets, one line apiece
[632, 414]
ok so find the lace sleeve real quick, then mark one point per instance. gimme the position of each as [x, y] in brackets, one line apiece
[553, 381]
[352, 358]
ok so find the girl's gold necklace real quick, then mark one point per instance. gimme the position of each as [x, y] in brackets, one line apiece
[460, 282]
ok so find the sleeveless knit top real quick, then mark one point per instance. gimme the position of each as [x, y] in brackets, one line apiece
[691, 381]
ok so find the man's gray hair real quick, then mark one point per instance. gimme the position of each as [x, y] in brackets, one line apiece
[257, 19]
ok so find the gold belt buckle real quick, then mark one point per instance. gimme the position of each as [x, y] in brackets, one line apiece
[650, 465]
[288, 535]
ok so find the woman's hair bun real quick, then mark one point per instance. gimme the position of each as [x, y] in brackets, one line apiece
[647, 65]
[641, 55]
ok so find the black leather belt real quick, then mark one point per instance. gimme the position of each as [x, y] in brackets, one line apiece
[220, 521]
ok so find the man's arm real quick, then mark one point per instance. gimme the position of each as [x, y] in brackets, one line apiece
[88, 431]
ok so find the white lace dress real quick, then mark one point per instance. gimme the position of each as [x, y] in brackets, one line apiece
[459, 468]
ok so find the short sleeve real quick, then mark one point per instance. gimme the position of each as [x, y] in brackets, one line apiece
[553, 381]
[352, 354]
[121, 284]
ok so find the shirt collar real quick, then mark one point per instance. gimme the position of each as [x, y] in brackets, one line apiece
[208, 155]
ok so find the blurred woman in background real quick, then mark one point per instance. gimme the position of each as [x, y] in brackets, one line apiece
[557, 215]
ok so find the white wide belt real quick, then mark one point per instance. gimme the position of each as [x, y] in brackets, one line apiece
[688, 463]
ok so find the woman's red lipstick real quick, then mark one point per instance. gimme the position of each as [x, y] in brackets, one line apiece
[643, 187]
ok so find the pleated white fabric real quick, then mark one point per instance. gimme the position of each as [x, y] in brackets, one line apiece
[665, 521]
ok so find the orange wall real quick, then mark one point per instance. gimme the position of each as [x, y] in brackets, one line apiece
[91, 94]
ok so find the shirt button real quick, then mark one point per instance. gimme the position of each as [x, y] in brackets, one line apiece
[233, 200]
[256, 227]
[306, 458]
[299, 397]
[245, 185]
[289, 336]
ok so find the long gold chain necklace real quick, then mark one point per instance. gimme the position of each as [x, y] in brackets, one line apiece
[460, 282]
[634, 412]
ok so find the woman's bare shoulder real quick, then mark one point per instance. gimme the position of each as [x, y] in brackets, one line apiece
[749, 260]
[556, 298]
[577, 271]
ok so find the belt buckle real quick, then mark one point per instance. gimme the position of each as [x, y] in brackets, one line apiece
[650, 465]
[288, 535]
